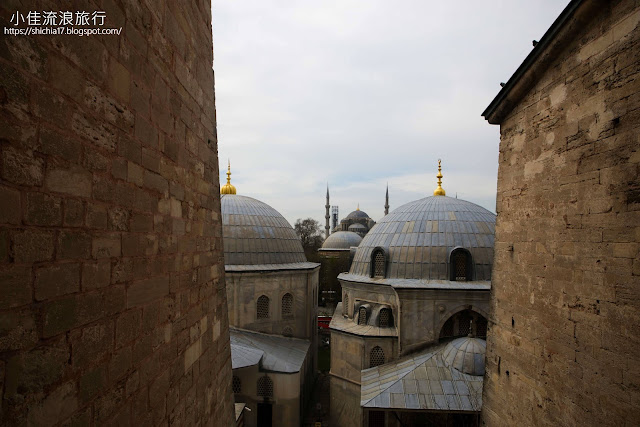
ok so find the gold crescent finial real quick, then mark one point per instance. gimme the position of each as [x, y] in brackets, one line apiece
[439, 191]
[358, 206]
[228, 188]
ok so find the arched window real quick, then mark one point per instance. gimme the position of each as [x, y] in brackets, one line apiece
[376, 357]
[463, 323]
[362, 316]
[461, 265]
[378, 263]
[287, 305]
[265, 387]
[385, 318]
[287, 332]
[262, 307]
[345, 305]
[236, 384]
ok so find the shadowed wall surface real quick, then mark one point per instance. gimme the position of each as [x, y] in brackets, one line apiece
[112, 299]
[563, 342]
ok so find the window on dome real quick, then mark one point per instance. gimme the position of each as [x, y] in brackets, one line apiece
[362, 316]
[265, 387]
[378, 264]
[287, 305]
[385, 318]
[460, 265]
[262, 307]
[236, 384]
[376, 357]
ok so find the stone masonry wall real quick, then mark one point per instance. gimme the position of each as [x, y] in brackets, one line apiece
[112, 301]
[563, 347]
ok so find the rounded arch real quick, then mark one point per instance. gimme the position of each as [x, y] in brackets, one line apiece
[460, 264]
[462, 321]
[345, 305]
[265, 387]
[287, 305]
[378, 263]
[236, 384]
[376, 357]
[262, 307]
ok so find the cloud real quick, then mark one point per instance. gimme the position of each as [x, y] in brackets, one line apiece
[361, 93]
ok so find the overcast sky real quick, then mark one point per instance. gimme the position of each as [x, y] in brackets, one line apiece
[358, 94]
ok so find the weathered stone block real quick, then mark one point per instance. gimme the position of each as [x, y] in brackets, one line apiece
[106, 246]
[96, 274]
[21, 167]
[53, 281]
[32, 245]
[10, 201]
[75, 181]
[74, 244]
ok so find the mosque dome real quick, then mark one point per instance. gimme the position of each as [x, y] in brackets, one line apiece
[418, 239]
[466, 354]
[341, 240]
[256, 234]
[357, 214]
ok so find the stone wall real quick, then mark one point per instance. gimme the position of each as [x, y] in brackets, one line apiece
[112, 297]
[564, 336]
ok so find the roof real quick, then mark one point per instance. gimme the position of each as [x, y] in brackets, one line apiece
[466, 354]
[543, 53]
[342, 240]
[280, 354]
[340, 323]
[471, 285]
[419, 236]
[357, 226]
[256, 234]
[271, 267]
[244, 355]
[422, 381]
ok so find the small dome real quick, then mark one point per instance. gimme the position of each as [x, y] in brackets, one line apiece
[254, 233]
[357, 214]
[342, 240]
[466, 355]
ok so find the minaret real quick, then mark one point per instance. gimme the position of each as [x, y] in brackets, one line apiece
[386, 201]
[326, 216]
[439, 191]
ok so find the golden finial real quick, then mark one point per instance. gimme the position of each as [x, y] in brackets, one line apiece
[228, 188]
[439, 191]
[358, 206]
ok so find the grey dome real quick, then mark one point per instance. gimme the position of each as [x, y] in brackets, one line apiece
[356, 226]
[419, 236]
[466, 355]
[357, 214]
[342, 240]
[254, 233]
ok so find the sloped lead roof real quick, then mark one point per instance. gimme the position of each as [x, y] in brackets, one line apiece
[418, 237]
[423, 381]
[279, 354]
[256, 234]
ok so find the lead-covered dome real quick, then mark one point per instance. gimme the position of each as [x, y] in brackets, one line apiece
[466, 354]
[341, 240]
[357, 214]
[256, 234]
[417, 240]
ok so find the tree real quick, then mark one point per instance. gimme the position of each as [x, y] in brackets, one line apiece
[310, 234]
